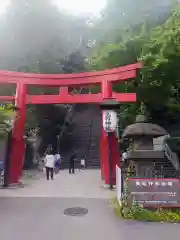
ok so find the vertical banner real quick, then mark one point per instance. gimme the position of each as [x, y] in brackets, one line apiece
[118, 183]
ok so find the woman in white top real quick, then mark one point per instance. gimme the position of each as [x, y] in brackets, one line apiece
[49, 164]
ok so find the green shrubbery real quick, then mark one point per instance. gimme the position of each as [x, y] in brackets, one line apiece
[129, 209]
[136, 212]
[7, 115]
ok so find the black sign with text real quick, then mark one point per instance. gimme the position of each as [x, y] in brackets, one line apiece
[154, 192]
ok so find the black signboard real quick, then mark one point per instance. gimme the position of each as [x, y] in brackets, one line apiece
[155, 192]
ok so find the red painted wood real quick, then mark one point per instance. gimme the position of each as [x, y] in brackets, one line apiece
[103, 156]
[104, 145]
[77, 98]
[8, 80]
[73, 75]
[69, 81]
[55, 99]
[7, 98]
[125, 97]
[63, 91]
[106, 89]
[18, 144]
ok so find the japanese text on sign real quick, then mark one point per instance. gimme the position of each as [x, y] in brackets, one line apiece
[153, 192]
[156, 183]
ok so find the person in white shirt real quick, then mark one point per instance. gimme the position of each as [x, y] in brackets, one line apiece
[49, 164]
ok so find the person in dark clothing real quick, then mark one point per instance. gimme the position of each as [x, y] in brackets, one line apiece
[72, 163]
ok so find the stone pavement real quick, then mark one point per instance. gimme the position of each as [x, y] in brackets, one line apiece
[83, 184]
[36, 212]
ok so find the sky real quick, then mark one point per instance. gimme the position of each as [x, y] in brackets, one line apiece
[3, 6]
[81, 6]
[73, 6]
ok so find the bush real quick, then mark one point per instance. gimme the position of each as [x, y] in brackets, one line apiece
[7, 116]
[137, 212]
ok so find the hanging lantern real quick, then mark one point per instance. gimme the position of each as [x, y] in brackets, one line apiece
[110, 119]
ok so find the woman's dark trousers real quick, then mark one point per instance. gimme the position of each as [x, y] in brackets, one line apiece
[49, 171]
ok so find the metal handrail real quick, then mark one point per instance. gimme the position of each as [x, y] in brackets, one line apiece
[68, 117]
[89, 142]
[171, 156]
[167, 151]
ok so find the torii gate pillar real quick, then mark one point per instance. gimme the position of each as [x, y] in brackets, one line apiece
[104, 144]
[18, 142]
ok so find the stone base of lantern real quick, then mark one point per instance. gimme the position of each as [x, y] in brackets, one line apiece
[148, 155]
[146, 162]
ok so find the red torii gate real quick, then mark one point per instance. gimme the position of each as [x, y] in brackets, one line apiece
[102, 78]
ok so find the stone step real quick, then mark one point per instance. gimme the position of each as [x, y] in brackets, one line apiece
[168, 168]
[85, 137]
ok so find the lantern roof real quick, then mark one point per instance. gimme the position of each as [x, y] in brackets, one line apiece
[142, 128]
[110, 104]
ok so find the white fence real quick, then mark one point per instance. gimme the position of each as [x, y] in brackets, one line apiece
[118, 183]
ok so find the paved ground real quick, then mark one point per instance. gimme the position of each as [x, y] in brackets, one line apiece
[84, 184]
[36, 212]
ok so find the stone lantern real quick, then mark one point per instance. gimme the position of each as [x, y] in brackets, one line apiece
[141, 152]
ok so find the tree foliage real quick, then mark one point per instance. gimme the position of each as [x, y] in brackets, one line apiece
[157, 47]
[35, 36]
[121, 16]
[7, 115]
[161, 55]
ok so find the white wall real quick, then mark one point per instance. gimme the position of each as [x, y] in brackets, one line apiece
[118, 183]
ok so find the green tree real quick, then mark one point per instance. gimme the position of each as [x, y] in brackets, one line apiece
[7, 115]
[120, 16]
[127, 51]
[160, 56]
[157, 84]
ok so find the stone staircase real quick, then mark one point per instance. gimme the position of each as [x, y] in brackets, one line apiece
[165, 169]
[83, 137]
[170, 165]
